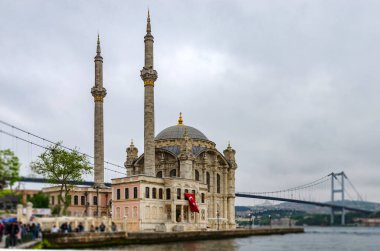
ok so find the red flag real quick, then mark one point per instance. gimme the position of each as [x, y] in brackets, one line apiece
[192, 203]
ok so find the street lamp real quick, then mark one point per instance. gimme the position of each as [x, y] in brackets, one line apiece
[270, 220]
[252, 220]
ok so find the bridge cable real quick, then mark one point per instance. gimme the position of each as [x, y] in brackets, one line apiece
[65, 147]
[357, 193]
[310, 184]
[46, 148]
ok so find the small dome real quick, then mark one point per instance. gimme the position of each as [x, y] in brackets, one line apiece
[177, 131]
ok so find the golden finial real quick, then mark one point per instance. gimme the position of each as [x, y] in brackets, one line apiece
[180, 120]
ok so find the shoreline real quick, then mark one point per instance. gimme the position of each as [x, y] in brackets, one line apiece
[107, 239]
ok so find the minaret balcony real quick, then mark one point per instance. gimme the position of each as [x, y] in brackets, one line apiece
[98, 92]
[148, 74]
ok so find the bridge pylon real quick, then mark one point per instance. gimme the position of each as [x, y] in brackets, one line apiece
[340, 190]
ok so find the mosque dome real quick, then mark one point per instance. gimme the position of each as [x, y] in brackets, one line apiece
[177, 131]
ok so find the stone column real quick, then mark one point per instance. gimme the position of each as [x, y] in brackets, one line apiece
[20, 215]
[149, 149]
[98, 92]
[214, 194]
[225, 191]
[174, 220]
[149, 76]
[181, 213]
[29, 213]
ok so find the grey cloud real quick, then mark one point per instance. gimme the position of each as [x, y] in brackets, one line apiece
[293, 85]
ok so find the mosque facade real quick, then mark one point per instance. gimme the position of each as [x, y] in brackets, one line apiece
[181, 182]
[177, 163]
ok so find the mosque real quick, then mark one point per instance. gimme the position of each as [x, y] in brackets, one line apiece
[180, 183]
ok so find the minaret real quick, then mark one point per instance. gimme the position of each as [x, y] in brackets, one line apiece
[98, 92]
[229, 154]
[149, 75]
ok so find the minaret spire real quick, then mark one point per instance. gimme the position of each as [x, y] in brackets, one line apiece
[98, 51]
[98, 92]
[149, 76]
[148, 27]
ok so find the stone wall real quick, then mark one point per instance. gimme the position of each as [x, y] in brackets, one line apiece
[87, 240]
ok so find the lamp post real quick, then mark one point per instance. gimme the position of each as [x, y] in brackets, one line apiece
[290, 218]
[252, 220]
[270, 221]
[217, 216]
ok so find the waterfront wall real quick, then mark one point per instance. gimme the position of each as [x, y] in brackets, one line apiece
[87, 240]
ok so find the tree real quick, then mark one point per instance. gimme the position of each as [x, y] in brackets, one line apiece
[9, 168]
[62, 167]
[40, 200]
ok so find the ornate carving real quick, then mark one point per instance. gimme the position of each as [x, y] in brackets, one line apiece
[148, 82]
[98, 93]
[148, 75]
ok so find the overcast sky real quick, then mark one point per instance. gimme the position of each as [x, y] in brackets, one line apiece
[294, 85]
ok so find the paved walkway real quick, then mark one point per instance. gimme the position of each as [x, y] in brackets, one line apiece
[23, 245]
[2, 244]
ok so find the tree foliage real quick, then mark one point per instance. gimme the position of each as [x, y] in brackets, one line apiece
[40, 200]
[62, 167]
[9, 168]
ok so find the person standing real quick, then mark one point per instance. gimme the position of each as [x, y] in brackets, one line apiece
[80, 227]
[13, 231]
[113, 227]
[102, 227]
[2, 228]
[54, 229]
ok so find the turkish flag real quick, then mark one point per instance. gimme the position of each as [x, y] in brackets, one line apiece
[192, 203]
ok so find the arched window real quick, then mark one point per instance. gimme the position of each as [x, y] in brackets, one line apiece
[159, 174]
[173, 173]
[126, 193]
[82, 200]
[118, 194]
[95, 200]
[160, 194]
[202, 198]
[168, 193]
[196, 175]
[135, 192]
[147, 192]
[178, 193]
[154, 193]
[208, 181]
[76, 200]
[218, 183]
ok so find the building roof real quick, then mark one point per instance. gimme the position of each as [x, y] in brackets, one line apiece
[177, 131]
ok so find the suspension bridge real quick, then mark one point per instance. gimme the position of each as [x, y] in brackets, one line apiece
[336, 183]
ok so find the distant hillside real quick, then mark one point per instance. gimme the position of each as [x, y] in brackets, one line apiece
[372, 206]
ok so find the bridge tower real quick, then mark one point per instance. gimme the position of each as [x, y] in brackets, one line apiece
[334, 190]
